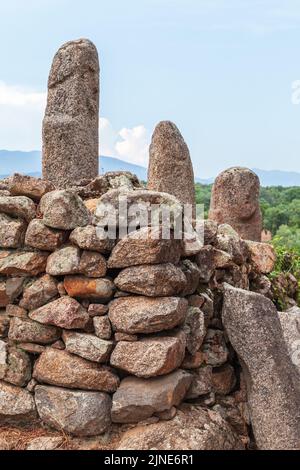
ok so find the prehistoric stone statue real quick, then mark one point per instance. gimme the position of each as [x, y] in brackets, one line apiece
[235, 201]
[70, 126]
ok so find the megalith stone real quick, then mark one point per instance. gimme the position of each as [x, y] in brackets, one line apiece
[235, 201]
[253, 327]
[70, 126]
[170, 167]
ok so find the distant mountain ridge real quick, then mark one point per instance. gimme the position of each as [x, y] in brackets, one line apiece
[30, 163]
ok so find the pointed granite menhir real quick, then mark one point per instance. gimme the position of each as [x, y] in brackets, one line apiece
[170, 167]
[235, 201]
[70, 126]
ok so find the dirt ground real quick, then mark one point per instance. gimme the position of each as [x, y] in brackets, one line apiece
[15, 438]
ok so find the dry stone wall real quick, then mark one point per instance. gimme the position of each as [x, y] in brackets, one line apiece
[95, 332]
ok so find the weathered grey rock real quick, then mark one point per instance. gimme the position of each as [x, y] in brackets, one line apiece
[137, 399]
[228, 240]
[10, 289]
[39, 293]
[235, 201]
[159, 280]
[170, 167]
[34, 188]
[18, 370]
[16, 405]
[18, 206]
[147, 315]
[193, 428]
[102, 327]
[192, 274]
[64, 210]
[145, 246]
[64, 261]
[74, 412]
[254, 330]
[191, 245]
[214, 348]
[39, 236]
[63, 369]
[151, 356]
[15, 311]
[87, 238]
[88, 346]
[195, 329]
[23, 263]
[94, 289]
[201, 383]
[97, 310]
[290, 324]
[23, 330]
[210, 231]
[12, 232]
[70, 126]
[151, 204]
[92, 264]
[209, 259]
[64, 313]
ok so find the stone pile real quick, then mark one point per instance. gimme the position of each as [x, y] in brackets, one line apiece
[95, 332]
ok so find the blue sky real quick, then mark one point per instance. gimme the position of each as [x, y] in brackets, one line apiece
[222, 70]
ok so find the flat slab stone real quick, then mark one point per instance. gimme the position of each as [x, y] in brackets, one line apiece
[253, 327]
[64, 313]
[87, 238]
[75, 412]
[145, 246]
[160, 280]
[39, 236]
[150, 357]
[147, 315]
[55, 367]
[137, 399]
[88, 346]
[24, 263]
[23, 330]
[34, 188]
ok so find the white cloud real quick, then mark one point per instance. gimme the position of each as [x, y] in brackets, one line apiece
[129, 144]
[17, 96]
[21, 115]
[134, 146]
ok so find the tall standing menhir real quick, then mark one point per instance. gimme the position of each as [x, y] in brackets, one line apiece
[70, 126]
